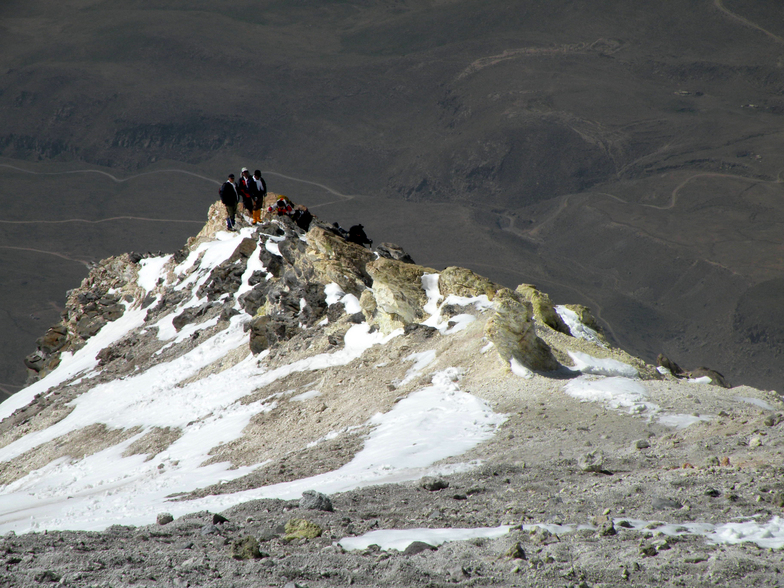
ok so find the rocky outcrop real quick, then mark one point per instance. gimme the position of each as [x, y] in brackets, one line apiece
[715, 377]
[392, 251]
[460, 281]
[45, 358]
[287, 295]
[512, 331]
[585, 317]
[397, 298]
[542, 306]
[288, 308]
[102, 297]
[701, 372]
[227, 277]
[336, 260]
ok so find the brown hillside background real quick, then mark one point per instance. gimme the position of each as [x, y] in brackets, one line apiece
[626, 156]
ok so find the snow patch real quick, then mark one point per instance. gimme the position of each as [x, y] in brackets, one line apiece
[306, 396]
[756, 402]
[72, 364]
[335, 294]
[151, 271]
[577, 328]
[589, 364]
[421, 360]
[627, 395]
[400, 539]
[518, 369]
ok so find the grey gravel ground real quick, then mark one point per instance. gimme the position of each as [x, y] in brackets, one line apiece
[197, 550]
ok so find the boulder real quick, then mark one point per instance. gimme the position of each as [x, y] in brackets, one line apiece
[701, 372]
[260, 337]
[334, 259]
[312, 500]
[266, 330]
[273, 263]
[246, 548]
[513, 334]
[543, 308]
[463, 282]
[255, 298]
[593, 461]
[715, 377]
[392, 251]
[398, 295]
[189, 315]
[301, 529]
[434, 484]
[418, 547]
[516, 551]
[54, 339]
[87, 326]
[665, 362]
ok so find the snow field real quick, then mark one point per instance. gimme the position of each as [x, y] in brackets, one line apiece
[108, 488]
[430, 424]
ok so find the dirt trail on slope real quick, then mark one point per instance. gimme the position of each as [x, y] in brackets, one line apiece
[719, 4]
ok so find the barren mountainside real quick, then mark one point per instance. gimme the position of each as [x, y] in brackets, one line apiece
[281, 406]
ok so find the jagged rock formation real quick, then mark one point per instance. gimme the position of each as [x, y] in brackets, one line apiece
[287, 294]
[511, 329]
[99, 300]
[544, 310]
[396, 298]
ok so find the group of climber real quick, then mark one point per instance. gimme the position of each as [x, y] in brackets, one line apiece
[249, 190]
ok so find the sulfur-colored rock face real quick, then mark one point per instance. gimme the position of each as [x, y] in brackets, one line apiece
[542, 306]
[463, 282]
[368, 303]
[398, 295]
[512, 332]
[336, 260]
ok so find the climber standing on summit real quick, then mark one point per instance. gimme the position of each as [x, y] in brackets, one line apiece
[258, 190]
[244, 190]
[229, 197]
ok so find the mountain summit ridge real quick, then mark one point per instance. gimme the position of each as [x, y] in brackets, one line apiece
[252, 367]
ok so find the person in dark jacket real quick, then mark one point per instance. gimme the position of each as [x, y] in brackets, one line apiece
[229, 196]
[244, 190]
[258, 190]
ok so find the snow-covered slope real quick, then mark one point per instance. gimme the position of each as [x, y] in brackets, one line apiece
[273, 360]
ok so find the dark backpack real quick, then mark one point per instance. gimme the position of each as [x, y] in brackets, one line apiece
[303, 219]
[356, 234]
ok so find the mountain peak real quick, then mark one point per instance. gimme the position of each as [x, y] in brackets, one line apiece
[278, 359]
